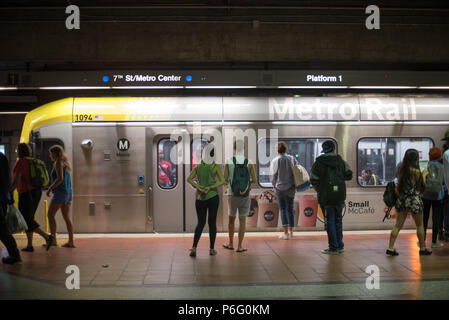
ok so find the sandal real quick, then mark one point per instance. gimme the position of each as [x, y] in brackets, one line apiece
[242, 250]
[226, 246]
[68, 245]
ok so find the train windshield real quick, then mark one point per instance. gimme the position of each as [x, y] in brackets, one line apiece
[379, 158]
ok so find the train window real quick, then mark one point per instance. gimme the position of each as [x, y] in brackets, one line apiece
[197, 149]
[166, 169]
[40, 150]
[304, 151]
[379, 158]
[3, 149]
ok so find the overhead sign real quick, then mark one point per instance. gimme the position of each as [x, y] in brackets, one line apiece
[225, 79]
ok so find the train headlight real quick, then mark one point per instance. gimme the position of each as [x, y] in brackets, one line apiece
[87, 144]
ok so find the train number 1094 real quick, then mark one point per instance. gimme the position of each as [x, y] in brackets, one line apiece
[83, 117]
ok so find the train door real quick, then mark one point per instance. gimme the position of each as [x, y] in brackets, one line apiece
[165, 189]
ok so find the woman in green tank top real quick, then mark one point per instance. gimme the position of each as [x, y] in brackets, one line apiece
[207, 199]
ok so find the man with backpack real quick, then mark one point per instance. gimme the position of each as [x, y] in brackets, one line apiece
[329, 173]
[5, 198]
[433, 194]
[239, 174]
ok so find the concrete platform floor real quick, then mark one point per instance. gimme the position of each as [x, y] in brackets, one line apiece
[159, 267]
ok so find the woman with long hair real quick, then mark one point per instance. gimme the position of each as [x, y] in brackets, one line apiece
[61, 186]
[29, 196]
[207, 200]
[410, 186]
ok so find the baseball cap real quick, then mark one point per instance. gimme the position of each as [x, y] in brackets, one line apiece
[327, 146]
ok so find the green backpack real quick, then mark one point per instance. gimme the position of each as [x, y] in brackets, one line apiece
[39, 174]
[241, 185]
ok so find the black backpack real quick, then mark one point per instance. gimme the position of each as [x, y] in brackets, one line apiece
[333, 187]
[241, 185]
[390, 196]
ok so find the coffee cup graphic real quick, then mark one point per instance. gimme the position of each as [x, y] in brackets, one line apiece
[308, 210]
[251, 220]
[268, 212]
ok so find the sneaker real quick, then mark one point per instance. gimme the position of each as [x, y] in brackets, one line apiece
[284, 236]
[212, 252]
[425, 252]
[192, 253]
[392, 252]
[49, 242]
[11, 260]
[437, 245]
[341, 250]
[328, 251]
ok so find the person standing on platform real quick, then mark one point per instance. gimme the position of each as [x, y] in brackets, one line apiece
[61, 186]
[446, 182]
[239, 174]
[5, 198]
[329, 173]
[207, 199]
[433, 194]
[283, 180]
[410, 186]
[29, 196]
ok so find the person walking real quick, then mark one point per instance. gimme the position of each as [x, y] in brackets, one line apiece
[207, 199]
[61, 187]
[329, 173]
[29, 196]
[281, 173]
[239, 174]
[433, 194]
[410, 186]
[5, 199]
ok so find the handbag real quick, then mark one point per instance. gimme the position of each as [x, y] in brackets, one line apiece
[15, 221]
[300, 174]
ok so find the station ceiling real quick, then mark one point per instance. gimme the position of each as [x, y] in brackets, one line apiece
[265, 11]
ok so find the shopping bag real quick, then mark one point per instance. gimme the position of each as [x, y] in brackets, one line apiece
[16, 222]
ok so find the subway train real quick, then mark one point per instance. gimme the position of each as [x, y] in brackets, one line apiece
[131, 156]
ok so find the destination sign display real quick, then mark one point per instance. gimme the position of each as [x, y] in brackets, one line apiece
[226, 79]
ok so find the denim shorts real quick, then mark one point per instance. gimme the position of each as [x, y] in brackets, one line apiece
[61, 197]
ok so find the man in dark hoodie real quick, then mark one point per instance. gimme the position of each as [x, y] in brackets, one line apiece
[5, 198]
[329, 173]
